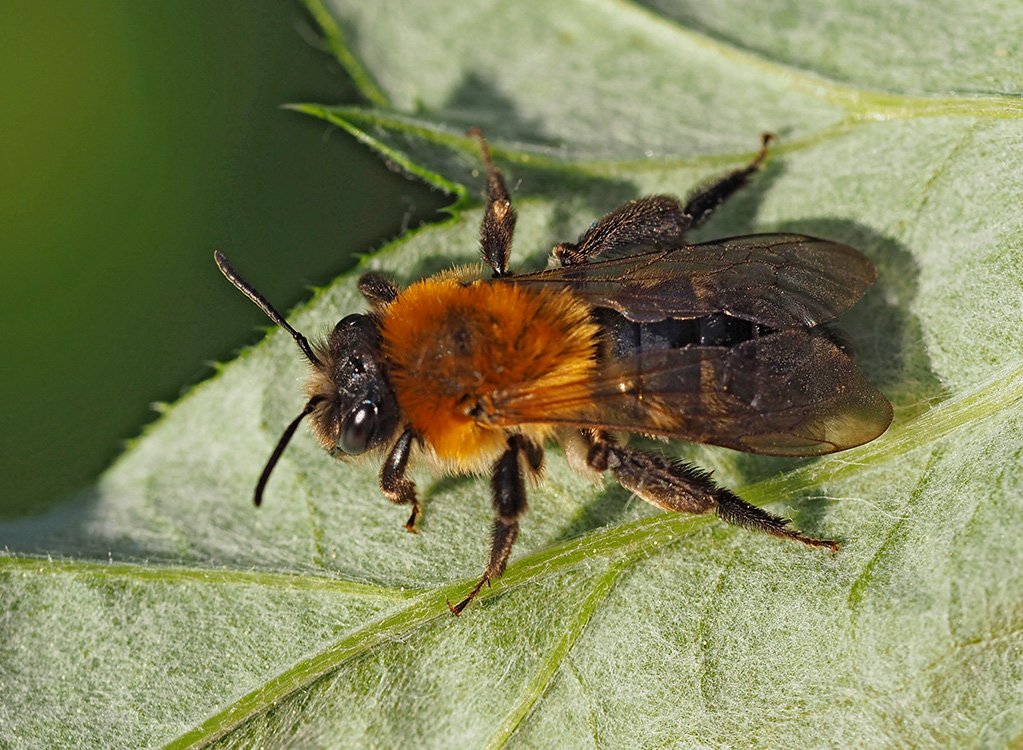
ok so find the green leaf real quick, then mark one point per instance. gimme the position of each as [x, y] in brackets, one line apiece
[170, 612]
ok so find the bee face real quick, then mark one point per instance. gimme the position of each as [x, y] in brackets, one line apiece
[356, 410]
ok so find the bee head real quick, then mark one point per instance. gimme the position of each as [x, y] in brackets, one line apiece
[352, 406]
[355, 409]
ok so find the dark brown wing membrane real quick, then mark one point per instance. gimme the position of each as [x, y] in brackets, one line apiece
[776, 280]
[791, 393]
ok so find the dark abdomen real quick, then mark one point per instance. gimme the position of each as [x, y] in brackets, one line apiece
[626, 337]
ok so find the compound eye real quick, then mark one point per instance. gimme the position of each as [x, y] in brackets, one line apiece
[358, 428]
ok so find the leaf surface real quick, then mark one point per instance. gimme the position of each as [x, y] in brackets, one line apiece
[171, 613]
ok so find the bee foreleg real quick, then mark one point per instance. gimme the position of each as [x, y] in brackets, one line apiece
[684, 488]
[499, 218]
[701, 204]
[393, 483]
[509, 490]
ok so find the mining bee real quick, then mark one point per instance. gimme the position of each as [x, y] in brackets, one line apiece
[634, 331]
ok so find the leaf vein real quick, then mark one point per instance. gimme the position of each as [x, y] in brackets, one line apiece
[856, 590]
[543, 678]
[159, 573]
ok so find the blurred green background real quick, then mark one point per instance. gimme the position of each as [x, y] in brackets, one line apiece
[135, 137]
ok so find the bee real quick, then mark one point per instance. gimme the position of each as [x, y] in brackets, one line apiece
[633, 330]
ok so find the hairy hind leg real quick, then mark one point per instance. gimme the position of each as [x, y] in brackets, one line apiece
[657, 222]
[683, 488]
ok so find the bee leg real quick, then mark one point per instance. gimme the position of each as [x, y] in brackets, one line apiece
[657, 221]
[393, 483]
[701, 204]
[509, 490]
[684, 488]
[499, 218]
[378, 290]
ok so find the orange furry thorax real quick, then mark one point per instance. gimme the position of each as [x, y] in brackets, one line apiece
[455, 350]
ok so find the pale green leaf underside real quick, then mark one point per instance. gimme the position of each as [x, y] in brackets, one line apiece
[172, 613]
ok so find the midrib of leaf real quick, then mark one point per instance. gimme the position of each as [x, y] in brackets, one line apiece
[621, 545]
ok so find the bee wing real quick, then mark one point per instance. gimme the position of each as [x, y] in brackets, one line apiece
[790, 393]
[776, 280]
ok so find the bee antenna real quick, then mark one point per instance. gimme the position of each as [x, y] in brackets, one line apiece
[289, 431]
[263, 304]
